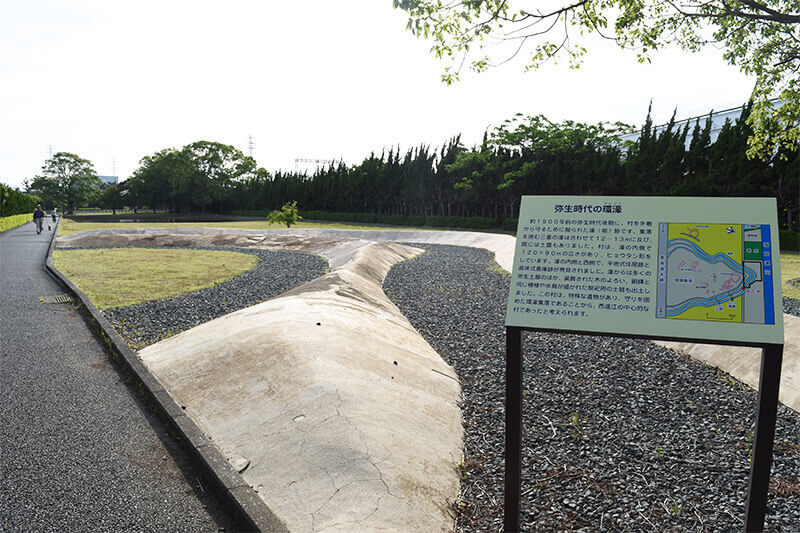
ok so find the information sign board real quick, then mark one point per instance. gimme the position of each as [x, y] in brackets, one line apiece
[699, 268]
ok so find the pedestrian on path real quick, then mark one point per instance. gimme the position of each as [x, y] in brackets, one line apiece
[38, 218]
[53, 212]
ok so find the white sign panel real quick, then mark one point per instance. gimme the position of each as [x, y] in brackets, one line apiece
[694, 268]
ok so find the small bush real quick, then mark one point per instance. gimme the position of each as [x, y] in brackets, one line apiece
[16, 203]
[249, 213]
[288, 214]
[479, 223]
[398, 220]
[7, 223]
[438, 221]
[790, 240]
[510, 224]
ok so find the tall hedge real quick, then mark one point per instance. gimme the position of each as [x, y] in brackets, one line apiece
[13, 202]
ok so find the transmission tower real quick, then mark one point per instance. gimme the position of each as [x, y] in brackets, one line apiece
[250, 145]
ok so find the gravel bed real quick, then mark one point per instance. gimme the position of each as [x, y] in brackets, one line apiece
[275, 273]
[620, 434]
[791, 306]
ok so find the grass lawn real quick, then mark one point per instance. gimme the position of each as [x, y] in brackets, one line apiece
[121, 277]
[790, 269]
[69, 226]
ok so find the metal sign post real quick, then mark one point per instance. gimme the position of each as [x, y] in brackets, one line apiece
[693, 270]
[768, 384]
[763, 440]
[513, 478]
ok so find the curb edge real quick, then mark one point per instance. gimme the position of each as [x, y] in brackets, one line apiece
[249, 512]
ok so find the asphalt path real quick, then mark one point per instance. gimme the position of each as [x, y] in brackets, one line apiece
[78, 451]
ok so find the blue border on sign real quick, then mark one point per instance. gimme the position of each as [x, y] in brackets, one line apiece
[769, 299]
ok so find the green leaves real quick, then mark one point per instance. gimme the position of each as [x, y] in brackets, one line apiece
[289, 214]
[761, 37]
[194, 177]
[66, 180]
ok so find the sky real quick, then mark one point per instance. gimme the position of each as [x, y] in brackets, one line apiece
[307, 79]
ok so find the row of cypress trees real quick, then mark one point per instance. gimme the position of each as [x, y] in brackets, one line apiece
[536, 156]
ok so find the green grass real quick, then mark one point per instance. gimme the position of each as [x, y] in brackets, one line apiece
[790, 269]
[7, 223]
[119, 277]
[69, 226]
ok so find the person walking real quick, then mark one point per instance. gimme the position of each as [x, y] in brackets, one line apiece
[38, 218]
[53, 212]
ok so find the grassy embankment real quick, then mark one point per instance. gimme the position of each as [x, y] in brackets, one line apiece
[121, 277]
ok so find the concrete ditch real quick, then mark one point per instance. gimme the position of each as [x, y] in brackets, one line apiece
[320, 503]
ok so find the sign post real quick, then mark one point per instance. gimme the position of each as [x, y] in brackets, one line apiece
[681, 269]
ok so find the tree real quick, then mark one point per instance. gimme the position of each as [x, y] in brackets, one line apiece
[288, 214]
[217, 168]
[66, 180]
[198, 175]
[112, 197]
[761, 37]
[163, 180]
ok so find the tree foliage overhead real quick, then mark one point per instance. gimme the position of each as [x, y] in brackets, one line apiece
[66, 180]
[760, 37]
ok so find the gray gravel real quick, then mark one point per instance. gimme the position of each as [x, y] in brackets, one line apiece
[791, 306]
[78, 452]
[275, 273]
[620, 434]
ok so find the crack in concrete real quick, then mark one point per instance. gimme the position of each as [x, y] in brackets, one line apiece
[367, 456]
[368, 453]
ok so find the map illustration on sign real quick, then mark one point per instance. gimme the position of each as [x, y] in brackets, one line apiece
[715, 272]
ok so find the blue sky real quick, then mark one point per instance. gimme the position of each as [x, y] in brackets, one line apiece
[115, 81]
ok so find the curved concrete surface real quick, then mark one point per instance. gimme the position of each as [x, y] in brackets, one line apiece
[745, 363]
[335, 409]
[742, 363]
[338, 412]
[335, 245]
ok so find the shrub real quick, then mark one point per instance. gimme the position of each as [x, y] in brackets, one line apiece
[13, 202]
[287, 215]
[790, 240]
[439, 221]
[7, 223]
[479, 223]
[510, 224]
[249, 212]
[398, 220]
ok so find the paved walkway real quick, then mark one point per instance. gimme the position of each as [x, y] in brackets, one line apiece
[77, 450]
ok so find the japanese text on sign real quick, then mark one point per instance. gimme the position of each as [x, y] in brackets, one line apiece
[574, 267]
